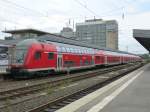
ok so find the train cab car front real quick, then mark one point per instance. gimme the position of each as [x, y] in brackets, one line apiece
[19, 61]
[16, 69]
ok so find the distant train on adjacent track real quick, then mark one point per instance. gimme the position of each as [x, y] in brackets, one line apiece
[33, 58]
[4, 55]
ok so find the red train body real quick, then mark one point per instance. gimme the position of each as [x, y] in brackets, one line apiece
[32, 57]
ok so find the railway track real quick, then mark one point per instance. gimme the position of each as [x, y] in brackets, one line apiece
[63, 101]
[28, 90]
[57, 81]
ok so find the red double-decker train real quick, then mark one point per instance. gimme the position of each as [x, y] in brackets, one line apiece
[33, 57]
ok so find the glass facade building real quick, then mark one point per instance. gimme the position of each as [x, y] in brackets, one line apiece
[98, 32]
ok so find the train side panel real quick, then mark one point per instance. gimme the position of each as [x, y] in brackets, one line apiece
[40, 57]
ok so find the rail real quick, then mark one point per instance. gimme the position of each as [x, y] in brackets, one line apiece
[19, 92]
[64, 100]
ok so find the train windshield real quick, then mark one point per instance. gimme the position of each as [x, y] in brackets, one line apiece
[20, 54]
[22, 48]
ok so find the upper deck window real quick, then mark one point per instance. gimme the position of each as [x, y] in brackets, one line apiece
[68, 49]
[72, 50]
[58, 49]
[63, 49]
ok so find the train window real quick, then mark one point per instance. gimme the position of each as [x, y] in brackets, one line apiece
[79, 51]
[37, 55]
[85, 51]
[75, 50]
[82, 51]
[86, 62]
[68, 49]
[97, 58]
[68, 63]
[92, 52]
[50, 56]
[58, 49]
[63, 49]
[72, 50]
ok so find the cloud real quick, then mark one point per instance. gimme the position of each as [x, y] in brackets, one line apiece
[135, 21]
[52, 15]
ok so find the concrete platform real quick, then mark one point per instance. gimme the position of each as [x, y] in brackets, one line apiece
[131, 93]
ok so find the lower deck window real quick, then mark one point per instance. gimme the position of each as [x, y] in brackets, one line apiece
[87, 62]
[99, 58]
[50, 56]
[69, 63]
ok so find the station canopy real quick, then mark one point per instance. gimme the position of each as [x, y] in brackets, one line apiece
[143, 37]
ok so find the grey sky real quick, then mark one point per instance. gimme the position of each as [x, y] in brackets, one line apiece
[52, 15]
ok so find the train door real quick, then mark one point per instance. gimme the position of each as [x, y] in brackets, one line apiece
[93, 62]
[106, 60]
[102, 61]
[59, 62]
[120, 59]
[123, 59]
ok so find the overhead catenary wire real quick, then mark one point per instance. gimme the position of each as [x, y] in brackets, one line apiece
[21, 8]
[24, 8]
[104, 14]
[34, 11]
[88, 9]
[43, 15]
[15, 23]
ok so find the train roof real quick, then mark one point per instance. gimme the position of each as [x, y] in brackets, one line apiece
[61, 39]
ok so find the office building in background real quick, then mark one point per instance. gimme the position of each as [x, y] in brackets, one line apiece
[98, 32]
